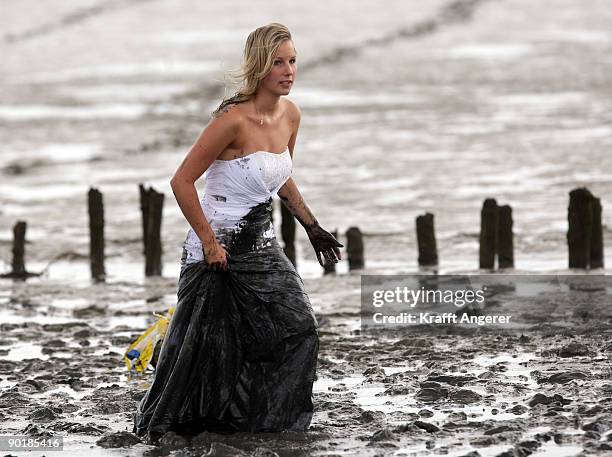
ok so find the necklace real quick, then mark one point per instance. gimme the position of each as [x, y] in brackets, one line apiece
[258, 115]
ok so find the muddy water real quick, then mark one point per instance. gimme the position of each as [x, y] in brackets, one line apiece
[408, 108]
[425, 391]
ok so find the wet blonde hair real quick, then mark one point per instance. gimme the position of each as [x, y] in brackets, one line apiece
[258, 57]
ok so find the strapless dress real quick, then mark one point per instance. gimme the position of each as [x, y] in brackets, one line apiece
[240, 352]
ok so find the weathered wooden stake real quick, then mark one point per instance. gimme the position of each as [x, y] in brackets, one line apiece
[505, 242]
[488, 233]
[18, 270]
[96, 234]
[152, 204]
[330, 267]
[288, 233]
[597, 250]
[426, 240]
[354, 248]
[19, 231]
[580, 227]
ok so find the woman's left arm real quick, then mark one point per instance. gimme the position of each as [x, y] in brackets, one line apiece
[322, 241]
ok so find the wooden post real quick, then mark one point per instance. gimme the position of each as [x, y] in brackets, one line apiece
[19, 231]
[488, 233]
[151, 205]
[288, 233]
[330, 267]
[96, 234]
[597, 250]
[354, 248]
[426, 240]
[18, 270]
[580, 227]
[505, 242]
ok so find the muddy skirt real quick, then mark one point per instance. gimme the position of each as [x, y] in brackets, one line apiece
[241, 349]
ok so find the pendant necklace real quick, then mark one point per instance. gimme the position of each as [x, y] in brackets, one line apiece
[260, 120]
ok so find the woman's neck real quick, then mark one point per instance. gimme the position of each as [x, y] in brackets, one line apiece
[266, 103]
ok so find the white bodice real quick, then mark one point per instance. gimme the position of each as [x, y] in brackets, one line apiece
[233, 187]
[274, 170]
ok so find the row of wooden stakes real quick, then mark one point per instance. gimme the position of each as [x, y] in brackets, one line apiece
[584, 236]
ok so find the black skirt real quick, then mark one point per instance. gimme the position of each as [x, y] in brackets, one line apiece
[241, 349]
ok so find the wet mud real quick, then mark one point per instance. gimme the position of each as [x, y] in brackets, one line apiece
[429, 390]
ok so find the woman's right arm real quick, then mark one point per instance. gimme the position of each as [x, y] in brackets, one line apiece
[216, 136]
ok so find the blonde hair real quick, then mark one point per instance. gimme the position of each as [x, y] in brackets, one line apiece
[258, 57]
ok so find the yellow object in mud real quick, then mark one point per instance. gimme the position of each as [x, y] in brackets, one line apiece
[140, 352]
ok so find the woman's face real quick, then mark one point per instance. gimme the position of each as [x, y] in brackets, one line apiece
[284, 69]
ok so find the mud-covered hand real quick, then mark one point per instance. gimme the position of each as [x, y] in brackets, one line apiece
[215, 255]
[324, 244]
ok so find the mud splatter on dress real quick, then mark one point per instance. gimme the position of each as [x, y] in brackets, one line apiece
[241, 349]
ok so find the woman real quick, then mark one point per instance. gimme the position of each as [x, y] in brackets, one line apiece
[241, 349]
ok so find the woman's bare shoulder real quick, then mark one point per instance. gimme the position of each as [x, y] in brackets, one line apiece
[229, 111]
[292, 108]
[230, 116]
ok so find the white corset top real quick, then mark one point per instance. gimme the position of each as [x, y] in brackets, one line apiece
[274, 168]
[233, 187]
